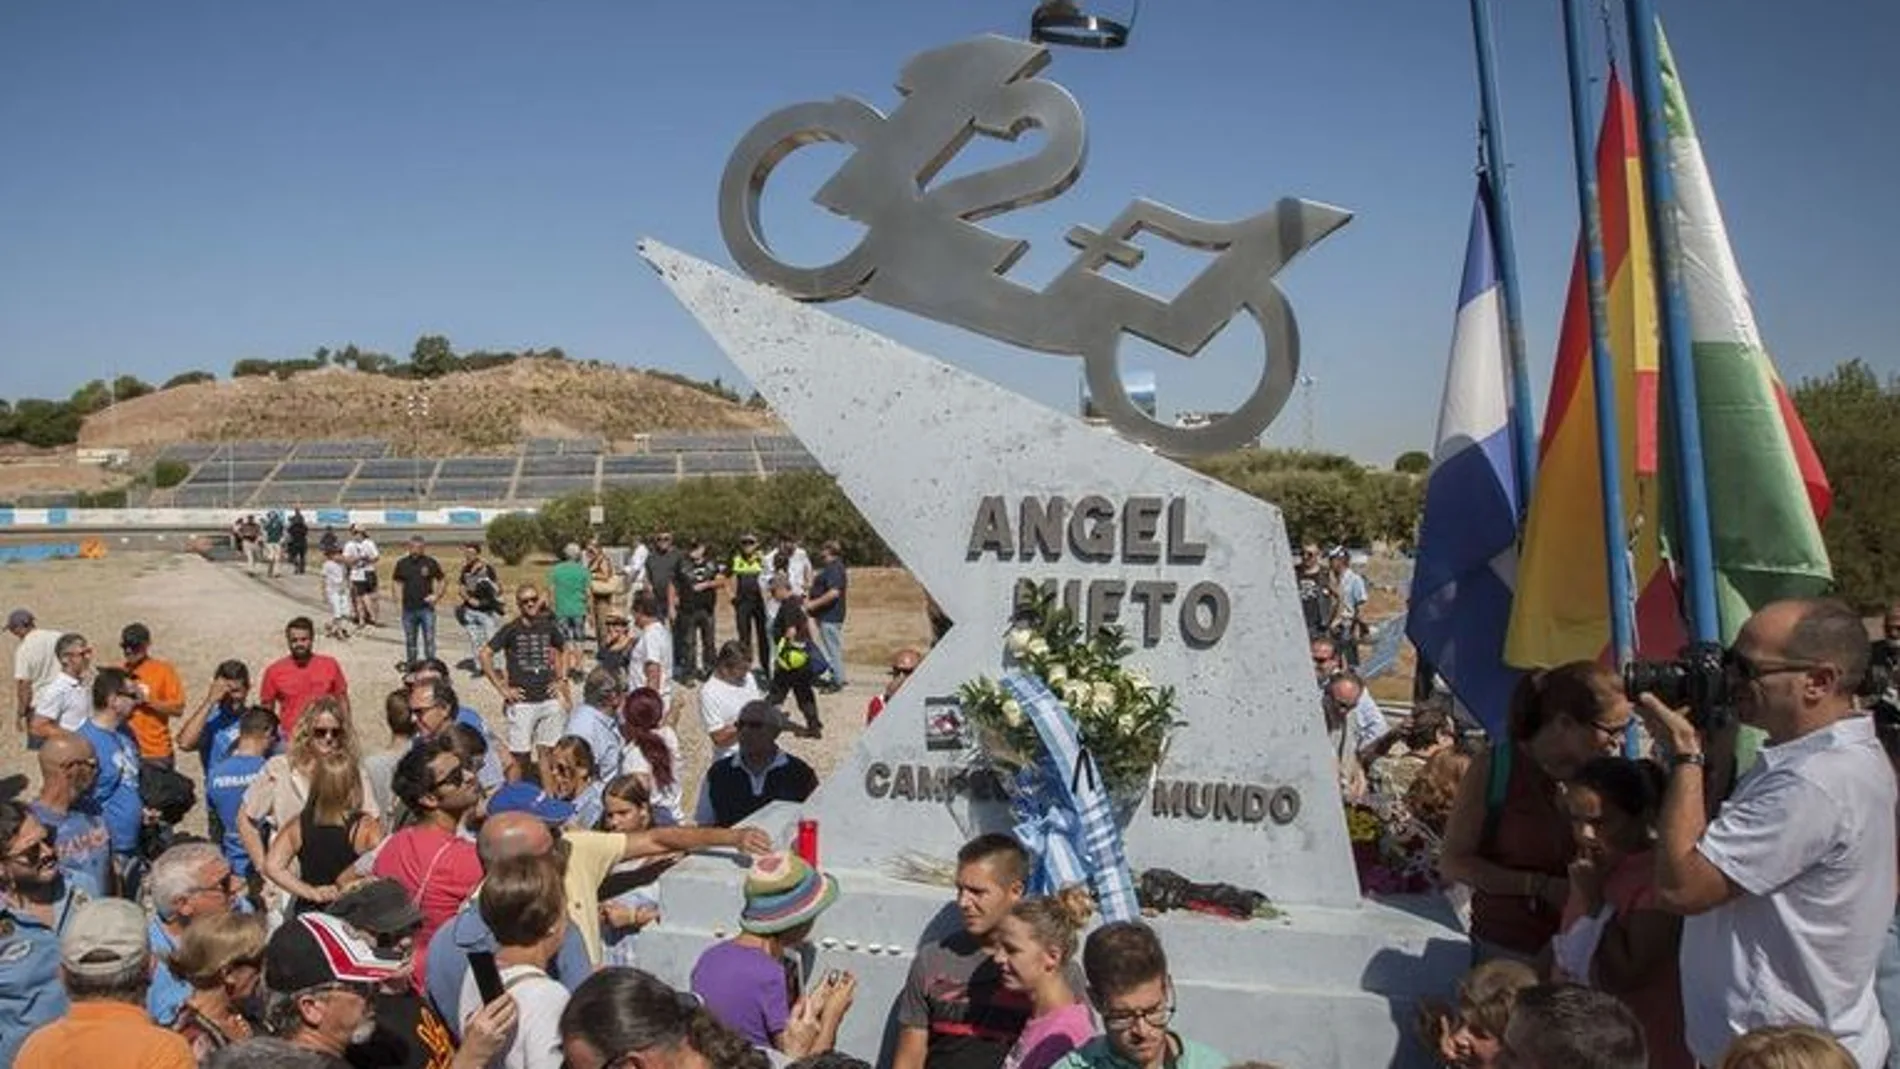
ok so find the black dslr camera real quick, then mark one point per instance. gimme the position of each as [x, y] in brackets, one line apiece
[1697, 679]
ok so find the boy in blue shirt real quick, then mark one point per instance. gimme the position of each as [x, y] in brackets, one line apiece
[115, 793]
[231, 777]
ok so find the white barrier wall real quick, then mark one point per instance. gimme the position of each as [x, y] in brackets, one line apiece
[221, 519]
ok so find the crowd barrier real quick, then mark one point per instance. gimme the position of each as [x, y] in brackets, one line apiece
[221, 519]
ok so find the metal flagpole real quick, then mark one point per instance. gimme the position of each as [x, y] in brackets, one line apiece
[1504, 252]
[1679, 392]
[1603, 371]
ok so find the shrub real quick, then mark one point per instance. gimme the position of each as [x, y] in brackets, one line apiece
[168, 473]
[512, 536]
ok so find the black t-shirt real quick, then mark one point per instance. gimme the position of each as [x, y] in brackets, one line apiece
[417, 575]
[690, 575]
[661, 568]
[955, 990]
[408, 1035]
[530, 644]
[481, 587]
[1316, 603]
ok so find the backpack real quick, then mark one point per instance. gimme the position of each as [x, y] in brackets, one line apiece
[1497, 785]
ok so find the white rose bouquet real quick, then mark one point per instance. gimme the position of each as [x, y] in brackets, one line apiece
[1122, 717]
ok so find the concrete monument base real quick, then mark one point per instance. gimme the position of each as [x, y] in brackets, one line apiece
[979, 490]
[1318, 988]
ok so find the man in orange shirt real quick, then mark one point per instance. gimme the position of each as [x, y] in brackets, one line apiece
[164, 699]
[105, 966]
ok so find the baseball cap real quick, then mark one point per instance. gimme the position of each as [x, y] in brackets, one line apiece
[135, 635]
[379, 907]
[314, 950]
[526, 798]
[104, 938]
[20, 618]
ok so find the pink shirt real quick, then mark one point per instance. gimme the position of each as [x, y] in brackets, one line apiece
[1047, 1038]
[438, 869]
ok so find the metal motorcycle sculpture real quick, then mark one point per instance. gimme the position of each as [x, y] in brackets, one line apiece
[924, 252]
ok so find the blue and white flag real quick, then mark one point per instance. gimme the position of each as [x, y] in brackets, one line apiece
[1467, 545]
[1065, 817]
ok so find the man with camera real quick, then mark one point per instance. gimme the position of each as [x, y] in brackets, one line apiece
[1788, 890]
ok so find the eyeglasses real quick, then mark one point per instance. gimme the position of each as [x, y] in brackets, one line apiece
[1743, 669]
[454, 777]
[424, 710]
[1610, 731]
[223, 884]
[1123, 1021]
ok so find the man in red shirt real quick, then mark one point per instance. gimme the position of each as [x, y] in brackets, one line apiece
[430, 859]
[290, 683]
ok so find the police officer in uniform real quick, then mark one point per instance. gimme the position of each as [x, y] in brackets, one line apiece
[748, 602]
[35, 904]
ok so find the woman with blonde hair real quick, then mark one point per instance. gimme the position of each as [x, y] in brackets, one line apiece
[312, 858]
[1788, 1047]
[1033, 947]
[222, 957]
[276, 798]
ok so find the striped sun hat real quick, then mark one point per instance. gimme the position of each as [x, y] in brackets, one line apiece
[782, 892]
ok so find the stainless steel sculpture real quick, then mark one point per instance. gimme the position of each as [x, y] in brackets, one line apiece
[924, 252]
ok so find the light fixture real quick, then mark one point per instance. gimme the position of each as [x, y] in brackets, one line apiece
[1061, 22]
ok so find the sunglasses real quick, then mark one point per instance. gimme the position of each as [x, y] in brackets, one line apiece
[454, 777]
[37, 851]
[326, 733]
[899, 670]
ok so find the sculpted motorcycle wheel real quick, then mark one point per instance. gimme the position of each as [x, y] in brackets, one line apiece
[762, 149]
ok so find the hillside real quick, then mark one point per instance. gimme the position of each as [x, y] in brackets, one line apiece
[470, 411]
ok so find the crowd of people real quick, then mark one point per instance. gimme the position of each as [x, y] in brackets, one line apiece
[461, 896]
[1731, 908]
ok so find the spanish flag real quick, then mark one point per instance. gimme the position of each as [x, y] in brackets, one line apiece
[1561, 609]
[1767, 491]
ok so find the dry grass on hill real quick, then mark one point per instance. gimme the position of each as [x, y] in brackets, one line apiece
[469, 411]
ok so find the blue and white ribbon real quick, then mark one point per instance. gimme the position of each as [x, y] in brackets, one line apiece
[1064, 813]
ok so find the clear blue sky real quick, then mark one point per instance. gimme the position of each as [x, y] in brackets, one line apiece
[187, 183]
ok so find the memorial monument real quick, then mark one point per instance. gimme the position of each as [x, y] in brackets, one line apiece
[978, 489]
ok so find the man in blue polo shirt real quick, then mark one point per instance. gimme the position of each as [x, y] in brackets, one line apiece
[36, 901]
[115, 793]
[503, 836]
[67, 769]
[434, 705]
[212, 728]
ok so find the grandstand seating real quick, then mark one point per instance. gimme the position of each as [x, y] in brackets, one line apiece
[371, 471]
